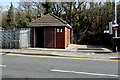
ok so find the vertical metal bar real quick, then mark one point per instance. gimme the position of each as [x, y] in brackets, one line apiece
[10, 39]
[115, 33]
[115, 17]
[110, 28]
[115, 12]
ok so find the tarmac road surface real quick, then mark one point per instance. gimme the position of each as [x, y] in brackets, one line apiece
[14, 66]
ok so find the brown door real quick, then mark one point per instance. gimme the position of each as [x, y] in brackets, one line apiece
[49, 37]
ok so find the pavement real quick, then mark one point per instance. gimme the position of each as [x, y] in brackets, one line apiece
[73, 50]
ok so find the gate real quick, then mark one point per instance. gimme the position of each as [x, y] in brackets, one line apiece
[14, 39]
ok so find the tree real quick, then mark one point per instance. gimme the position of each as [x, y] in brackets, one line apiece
[72, 10]
[47, 7]
[38, 9]
[26, 9]
[4, 17]
[10, 18]
[1, 16]
[21, 20]
[98, 16]
[57, 9]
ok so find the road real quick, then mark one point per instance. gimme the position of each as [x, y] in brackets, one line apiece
[17, 66]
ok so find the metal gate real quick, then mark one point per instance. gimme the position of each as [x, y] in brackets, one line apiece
[14, 39]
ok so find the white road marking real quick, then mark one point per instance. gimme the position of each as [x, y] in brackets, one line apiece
[3, 66]
[113, 57]
[97, 74]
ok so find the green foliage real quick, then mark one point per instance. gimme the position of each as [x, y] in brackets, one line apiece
[4, 17]
[57, 9]
[10, 24]
[1, 7]
[47, 6]
[86, 20]
[99, 16]
[21, 21]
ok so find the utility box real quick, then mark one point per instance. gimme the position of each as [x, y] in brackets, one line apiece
[116, 44]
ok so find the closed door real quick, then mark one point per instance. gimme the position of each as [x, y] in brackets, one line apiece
[49, 37]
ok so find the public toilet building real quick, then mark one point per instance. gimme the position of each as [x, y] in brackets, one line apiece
[49, 31]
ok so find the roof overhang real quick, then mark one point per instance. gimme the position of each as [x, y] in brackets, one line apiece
[49, 25]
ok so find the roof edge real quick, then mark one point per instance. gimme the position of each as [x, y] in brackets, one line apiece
[51, 25]
[61, 20]
[58, 18]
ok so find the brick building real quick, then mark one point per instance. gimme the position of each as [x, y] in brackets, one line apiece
[50, 31]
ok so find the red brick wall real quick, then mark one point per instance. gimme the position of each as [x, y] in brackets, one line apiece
[67, 37]
[60, 39]
[63, 38]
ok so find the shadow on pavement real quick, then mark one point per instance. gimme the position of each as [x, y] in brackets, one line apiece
[89, 49]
